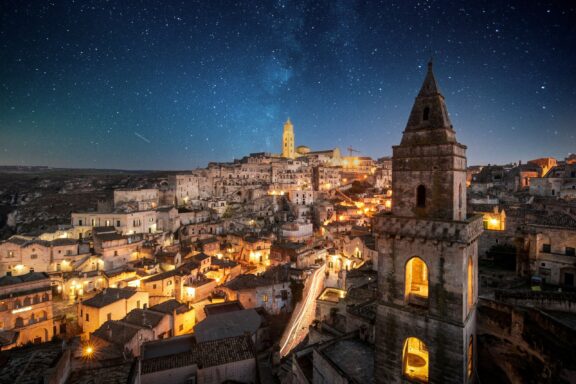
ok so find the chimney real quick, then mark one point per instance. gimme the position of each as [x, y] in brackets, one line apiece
[31, 270]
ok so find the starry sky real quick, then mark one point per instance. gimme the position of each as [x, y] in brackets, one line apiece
[176, 84]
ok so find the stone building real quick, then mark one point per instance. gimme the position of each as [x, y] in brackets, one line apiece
[426, 315]
[182, 359]
[25, 309]
[552, 250]
[270, 290]
[20, 254]
[559, 182]
[110, 304]
[137, 199]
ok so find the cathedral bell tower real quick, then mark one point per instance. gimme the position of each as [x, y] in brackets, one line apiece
[288, 140]
[428, 262]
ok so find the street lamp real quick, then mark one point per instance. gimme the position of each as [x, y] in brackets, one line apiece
[88, 351]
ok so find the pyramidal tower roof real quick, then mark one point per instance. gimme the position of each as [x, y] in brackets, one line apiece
[429, 122]
[430, 86]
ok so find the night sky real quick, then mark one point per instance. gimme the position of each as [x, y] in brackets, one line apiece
[173, 85]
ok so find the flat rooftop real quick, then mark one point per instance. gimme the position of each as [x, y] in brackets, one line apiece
[332, 295]
[353, 357]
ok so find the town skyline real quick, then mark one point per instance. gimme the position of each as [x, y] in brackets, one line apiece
[77, 94]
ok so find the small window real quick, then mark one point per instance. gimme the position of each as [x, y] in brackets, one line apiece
[570, 251]
[109, 316]
[33, 256]
[265, 298]
[181, 327]
[87, 317]
[421, 196]
[426, 114]
[546, 248]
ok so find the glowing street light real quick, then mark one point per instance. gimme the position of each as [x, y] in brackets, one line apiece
[88, 351]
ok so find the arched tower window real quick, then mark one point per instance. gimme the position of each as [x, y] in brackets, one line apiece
[470, 365]
[421, 196]
[426, 114]
[415, 360]
[460, 195]
[416, 282]
[471, 287]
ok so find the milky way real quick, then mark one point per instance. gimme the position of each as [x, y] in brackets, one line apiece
[173, 85]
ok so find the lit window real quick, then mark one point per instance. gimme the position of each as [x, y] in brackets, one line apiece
[416, 284]
[415, 360]
[265, 298]
[470, 283]
[470, 365]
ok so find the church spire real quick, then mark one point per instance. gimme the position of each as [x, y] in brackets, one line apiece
[430, 86]
[429, 122]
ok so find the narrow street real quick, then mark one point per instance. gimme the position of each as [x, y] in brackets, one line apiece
[304, 312]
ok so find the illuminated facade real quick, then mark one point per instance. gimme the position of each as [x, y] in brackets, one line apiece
[427, 247]
[25, 309]
[288, 140]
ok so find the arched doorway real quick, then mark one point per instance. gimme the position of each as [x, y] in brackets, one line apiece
[416, 282]
[415, 360]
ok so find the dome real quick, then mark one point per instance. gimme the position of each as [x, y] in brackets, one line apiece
[302, 149]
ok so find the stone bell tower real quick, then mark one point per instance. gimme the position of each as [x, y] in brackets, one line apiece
[428, 262]
[288, 140]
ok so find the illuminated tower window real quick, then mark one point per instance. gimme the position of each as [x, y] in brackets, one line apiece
[416, 289]
[470, 283]
[470, 365]
[415, 360]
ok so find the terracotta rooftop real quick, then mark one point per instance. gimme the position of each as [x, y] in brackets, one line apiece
[109, 296]
[228, 306]
[228, 324]
[274, 275]
[28, 365]
[208, 354]
[144, 317]
[115, 374]
[26, 278]
[170, 306]
[116, 332]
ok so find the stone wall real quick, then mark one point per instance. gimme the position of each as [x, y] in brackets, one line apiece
[553, 301]
[523, 345]
[446, 343]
